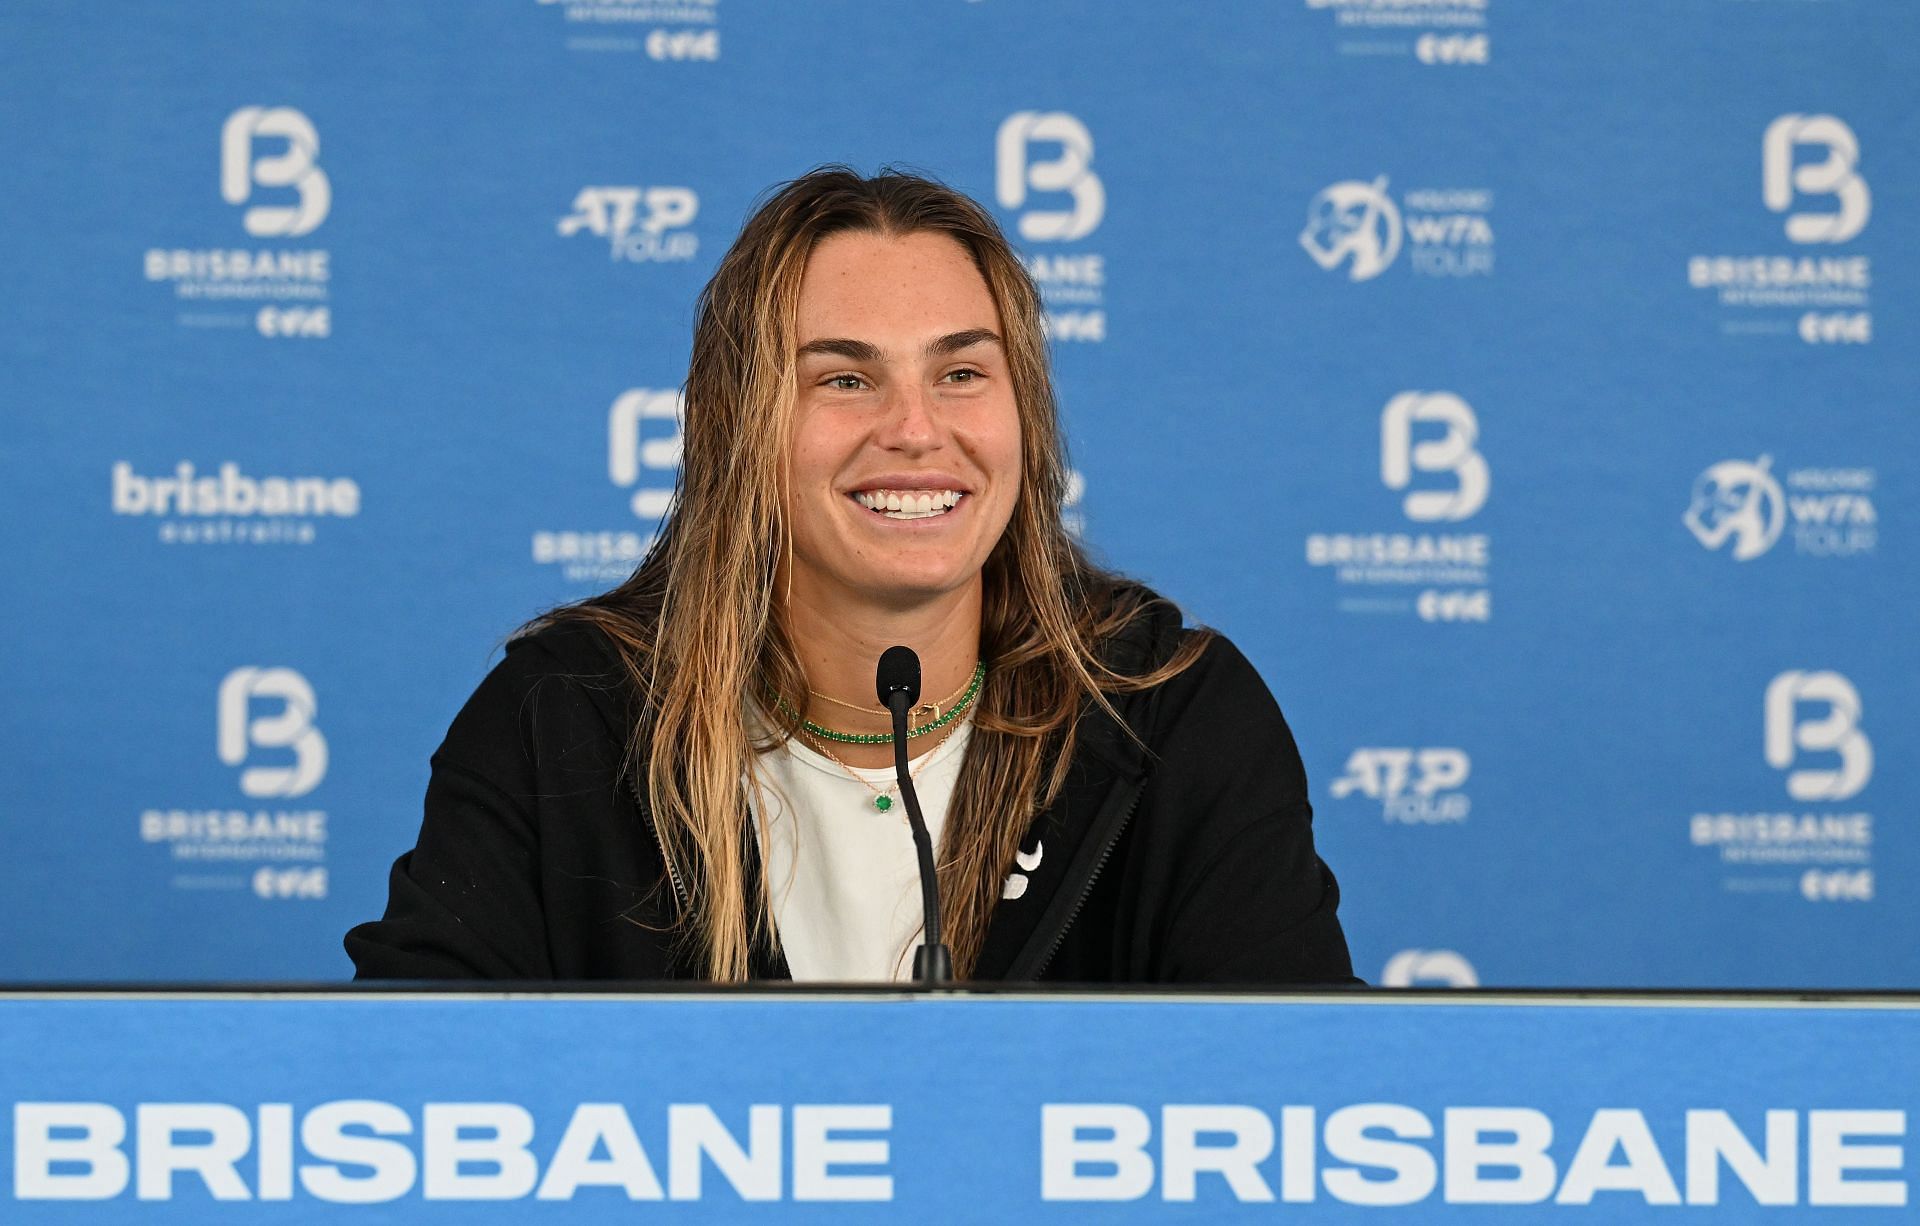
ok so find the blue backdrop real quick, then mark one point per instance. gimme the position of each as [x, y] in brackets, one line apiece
[1523, 386]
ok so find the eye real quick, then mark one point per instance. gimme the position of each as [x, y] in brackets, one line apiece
[971, 376]
[845, 383]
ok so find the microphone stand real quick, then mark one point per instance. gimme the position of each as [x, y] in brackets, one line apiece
[932, 961]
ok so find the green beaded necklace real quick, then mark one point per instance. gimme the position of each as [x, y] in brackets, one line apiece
[958, 709]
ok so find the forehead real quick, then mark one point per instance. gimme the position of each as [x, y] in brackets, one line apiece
[879, 286]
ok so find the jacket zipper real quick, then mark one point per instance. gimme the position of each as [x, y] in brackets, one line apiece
[673, 874]
[1086, 889]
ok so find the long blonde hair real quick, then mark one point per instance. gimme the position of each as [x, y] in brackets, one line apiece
[697, 628]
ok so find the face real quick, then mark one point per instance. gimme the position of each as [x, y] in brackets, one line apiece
[906, 443]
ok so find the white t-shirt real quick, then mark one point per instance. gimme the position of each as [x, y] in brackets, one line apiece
[844, 876]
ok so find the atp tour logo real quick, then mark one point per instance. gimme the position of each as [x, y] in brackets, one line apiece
[1428, 968]
[1810, 176]
[1412, 786]
[1073, 201]
[681, 30]
[1429, 454]
[1812, 734]
[1356, 225]
[266, 732]
[270, 170]
[1739, 507]
[1455, 37]
[642, 225]
[643, 456]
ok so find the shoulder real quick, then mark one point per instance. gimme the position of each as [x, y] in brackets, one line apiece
[559, 683]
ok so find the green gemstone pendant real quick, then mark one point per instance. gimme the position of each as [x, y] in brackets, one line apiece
[883, 803]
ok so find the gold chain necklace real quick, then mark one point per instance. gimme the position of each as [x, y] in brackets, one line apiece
[882, 800]
[931, 709]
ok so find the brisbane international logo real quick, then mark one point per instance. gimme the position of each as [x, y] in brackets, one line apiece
[1049, 154]
[270, 170]
[1820, 289]
[266, 729]
[1813, 733]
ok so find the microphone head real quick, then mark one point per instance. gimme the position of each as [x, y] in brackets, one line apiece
[899, 673]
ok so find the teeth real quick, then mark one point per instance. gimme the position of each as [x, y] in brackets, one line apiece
[909, 504]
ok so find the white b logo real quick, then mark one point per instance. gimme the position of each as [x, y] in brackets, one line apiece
[1452, 453]
[1740, 502]
[1438, 967]
[292, 728]
[1836, 176]
[1070, 172]
[1839, 732]
[1353, 220]
[240, 171]
[628, 453]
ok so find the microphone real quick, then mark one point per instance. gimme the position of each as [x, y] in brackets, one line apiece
[898, 684]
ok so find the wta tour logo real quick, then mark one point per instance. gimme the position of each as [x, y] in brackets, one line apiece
[643, 458]
[1356, 224]
[266, 730]
[1741, 508]
[1357, 227]
[1049, 155]
[1429, 454]
[1810, 176]
[270, 170]
[1813, 735]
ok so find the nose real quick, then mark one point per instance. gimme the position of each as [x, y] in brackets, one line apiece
[910, 425]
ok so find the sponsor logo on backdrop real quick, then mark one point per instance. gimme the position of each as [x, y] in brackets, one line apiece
[640, 225]
[1742, 508]
[1820, 848]
[1437, 33]
[1429, 455]
[1428, 968]
[1412, 786]
[1357, 229]
[271, 175]
[1043, 174]
[228, 505]
[669, 31]
[643, 459]
[258, 834]
[1812, 286]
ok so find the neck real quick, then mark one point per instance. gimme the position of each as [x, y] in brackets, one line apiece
[839, 644]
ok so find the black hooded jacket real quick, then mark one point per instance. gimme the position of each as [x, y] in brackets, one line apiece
[1190, 860]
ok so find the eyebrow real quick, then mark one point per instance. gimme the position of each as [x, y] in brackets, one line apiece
[866, 351]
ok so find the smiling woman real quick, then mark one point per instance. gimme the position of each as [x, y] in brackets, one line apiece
[684, 777]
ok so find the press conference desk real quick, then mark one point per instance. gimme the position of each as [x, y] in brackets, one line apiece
[449, 1106]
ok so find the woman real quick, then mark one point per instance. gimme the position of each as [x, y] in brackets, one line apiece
[686, 777]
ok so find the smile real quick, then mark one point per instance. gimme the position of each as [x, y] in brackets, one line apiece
[909, 504]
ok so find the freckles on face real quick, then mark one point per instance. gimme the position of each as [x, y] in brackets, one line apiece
[905, 456]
